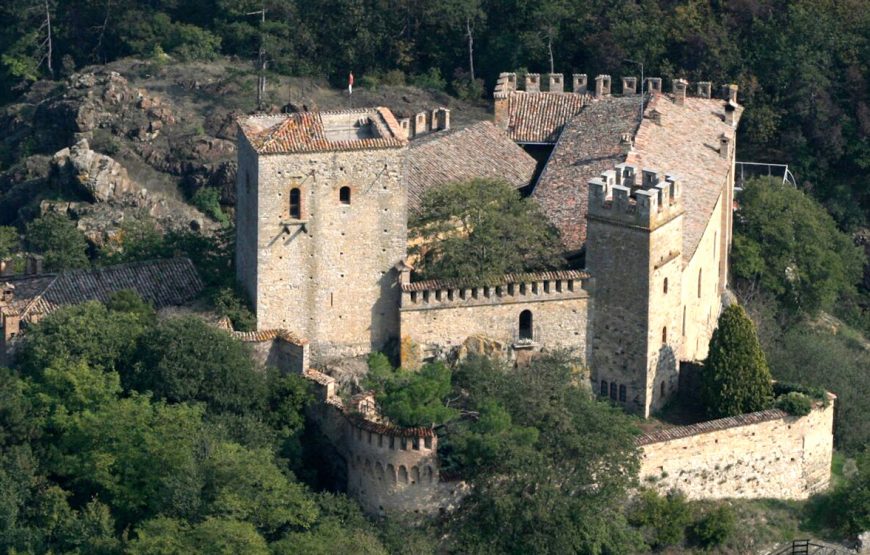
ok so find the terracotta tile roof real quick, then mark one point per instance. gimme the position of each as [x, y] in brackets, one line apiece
[481, 150]
[268, 335]
[538, 117]
[686, 144]
[678, 432]
[310, 131]
[161, 282]
[436, 284]
[589, 145]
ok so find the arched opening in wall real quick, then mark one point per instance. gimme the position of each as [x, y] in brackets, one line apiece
[344, 195]
[604, 388]
[622, 395]
[665, 335]
[295, 204]
[379, 471]
[663, 390]
[391, 473]
[699, 282]
[665, 287]
[415, 475]
[403, 475]
[613, 391]
[429, 474]
[369, 467]
[526, 324]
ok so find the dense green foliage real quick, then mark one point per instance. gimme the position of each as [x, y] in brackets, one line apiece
[795, 403]
[662, 519]
[531, 454]
[58, 239]
[89, 466]
[411, 398]
[9, 241]
[481, 229]
[787, 243]
[735, 378]
[802, 65]
[714, 528]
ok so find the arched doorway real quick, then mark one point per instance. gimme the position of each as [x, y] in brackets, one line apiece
[526, 324]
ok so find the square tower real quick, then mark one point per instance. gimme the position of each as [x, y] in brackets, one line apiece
[633, 251]
[320, 223]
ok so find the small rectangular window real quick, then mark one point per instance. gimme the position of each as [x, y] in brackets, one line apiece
[622, 394]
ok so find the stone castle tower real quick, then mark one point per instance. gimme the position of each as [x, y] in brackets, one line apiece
[634, 243]
[321, 215]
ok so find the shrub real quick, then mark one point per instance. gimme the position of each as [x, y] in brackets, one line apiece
[190, 42]
[663, 519]
[795, 403]
[229, 303]
[431, 80]
[714, 528]
[394, 77]
[59, 240]
[207, 200]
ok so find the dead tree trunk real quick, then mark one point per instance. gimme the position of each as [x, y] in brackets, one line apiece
[469, 29]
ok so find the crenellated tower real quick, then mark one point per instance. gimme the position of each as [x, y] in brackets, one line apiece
[634, 243]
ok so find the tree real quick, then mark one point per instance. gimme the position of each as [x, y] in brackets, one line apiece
[550, 466]
[735, 378]
[663, 518]
[59, 240]
[481, 230]
[9, 241]
[185, 359]
[788, 244]
[412, 398]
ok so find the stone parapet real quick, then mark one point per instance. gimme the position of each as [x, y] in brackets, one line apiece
[619, 196]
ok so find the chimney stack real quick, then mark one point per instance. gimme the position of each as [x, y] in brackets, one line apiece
[732, 93]
[704, 88]
[557, 82]
[625, 143]
[629, 85]
[730, 110]
[724, 146]
[654, 84]
[533, 82]
[680, 86]
[602, 86]
[33, 264]
[580, 82]
[440, 119]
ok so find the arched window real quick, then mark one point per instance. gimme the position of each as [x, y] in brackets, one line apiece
[344, 195]
[699, 282]
[526, 324]
[664, 335]
[613, 391]
[622, 394]
[663, 389]
[604, 388]
[295, 204]
[403, 475]
[666, 286]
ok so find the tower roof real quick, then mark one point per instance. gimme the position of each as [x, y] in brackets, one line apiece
[332, 131]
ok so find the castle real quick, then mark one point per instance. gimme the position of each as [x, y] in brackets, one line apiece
[640, 186]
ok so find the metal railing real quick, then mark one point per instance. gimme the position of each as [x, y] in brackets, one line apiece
[808, 547]
[747, 170]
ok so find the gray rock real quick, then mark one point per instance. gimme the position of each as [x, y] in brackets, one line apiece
[98, 175]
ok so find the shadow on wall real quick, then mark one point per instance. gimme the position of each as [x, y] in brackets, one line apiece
[384, 330]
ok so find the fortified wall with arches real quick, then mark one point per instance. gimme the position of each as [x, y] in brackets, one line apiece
[639, 184]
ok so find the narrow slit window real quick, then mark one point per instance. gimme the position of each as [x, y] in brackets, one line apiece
[604, 388]
[295, 204]
[665, 288]
[344, 195]
[664, 335]
[700, 273]
[613, 391]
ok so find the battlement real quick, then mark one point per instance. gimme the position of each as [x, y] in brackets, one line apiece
[510, 288]
[645, 200]
[425, 122]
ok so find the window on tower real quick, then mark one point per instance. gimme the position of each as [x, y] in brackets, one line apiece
[344, 195]
[295, 204]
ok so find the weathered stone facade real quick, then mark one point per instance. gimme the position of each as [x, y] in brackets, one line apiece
[762, 454]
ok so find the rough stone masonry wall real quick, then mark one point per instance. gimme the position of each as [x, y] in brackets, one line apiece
[327, 276]
[767, 454]
[439, 324]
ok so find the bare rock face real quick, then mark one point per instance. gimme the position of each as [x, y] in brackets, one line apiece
[348, 372]
[98, 175]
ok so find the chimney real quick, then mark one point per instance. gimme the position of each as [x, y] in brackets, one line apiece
[557, 82]
[680, 86]
[629, 85]
[404, 271]
[405, 125]
[8, 293]
[33, 264]
[704, 88]
[655, 116]
[625, 143]
[724, 146]
[730, 111]
[533, 82]
[654, 84]
[441, 119]
[602, 86]
[506, 84]
[580, 82]
[732, 93]
[421, 126]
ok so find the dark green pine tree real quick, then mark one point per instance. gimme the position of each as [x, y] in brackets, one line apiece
[735, 379]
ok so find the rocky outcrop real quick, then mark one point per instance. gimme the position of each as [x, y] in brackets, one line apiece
[99, 176]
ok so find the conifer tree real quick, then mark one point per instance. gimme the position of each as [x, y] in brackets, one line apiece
[735, 379]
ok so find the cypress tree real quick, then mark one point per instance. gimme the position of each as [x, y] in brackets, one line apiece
[735, 379]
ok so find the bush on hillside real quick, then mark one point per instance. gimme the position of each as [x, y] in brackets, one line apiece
[714, 528]
[795, 403]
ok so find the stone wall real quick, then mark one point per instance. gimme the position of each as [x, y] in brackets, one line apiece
[766, 454]
[437, 317]
[390, 470]
[327, 274]
[277, 348]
